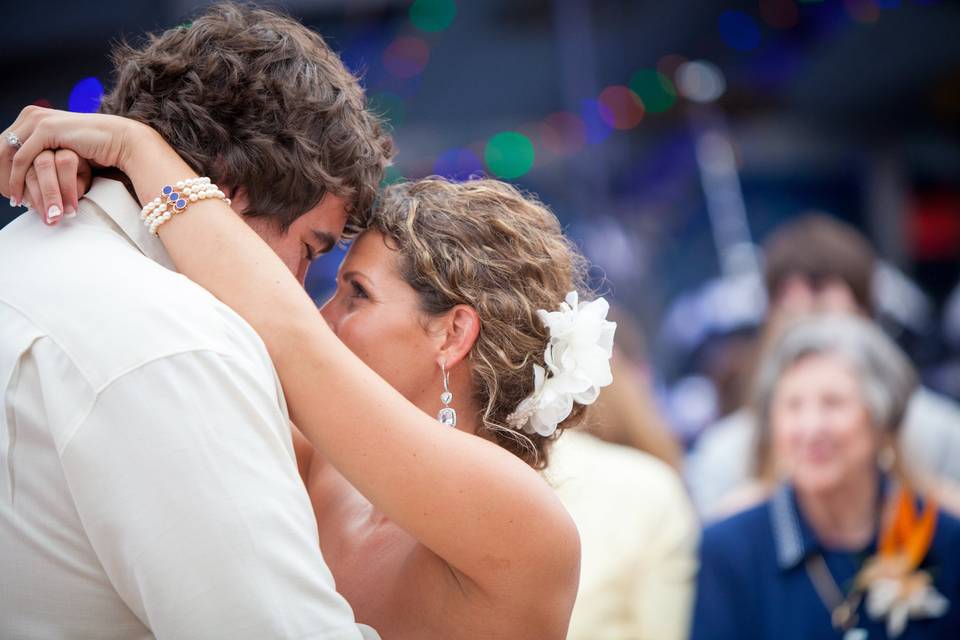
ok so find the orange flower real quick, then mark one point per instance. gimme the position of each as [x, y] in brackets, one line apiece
[894, 587]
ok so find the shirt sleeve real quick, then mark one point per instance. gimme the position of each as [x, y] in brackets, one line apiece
[184, 479]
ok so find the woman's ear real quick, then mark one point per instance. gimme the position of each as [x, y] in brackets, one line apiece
[458, 329]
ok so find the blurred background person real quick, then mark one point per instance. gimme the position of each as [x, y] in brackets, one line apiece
[627, 411]
[638, 537]
[815, 264]
[619, 479]
[823, 558]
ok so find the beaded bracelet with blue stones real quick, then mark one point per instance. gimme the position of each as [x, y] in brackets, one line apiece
[175, 198]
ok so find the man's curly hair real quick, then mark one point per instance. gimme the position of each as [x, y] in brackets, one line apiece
[256, 100]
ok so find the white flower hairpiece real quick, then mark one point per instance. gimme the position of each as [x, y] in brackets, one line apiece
[578, 364]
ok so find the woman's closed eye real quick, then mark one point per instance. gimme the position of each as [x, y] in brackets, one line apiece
[357, 290]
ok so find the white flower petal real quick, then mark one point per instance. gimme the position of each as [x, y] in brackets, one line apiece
[587, 397]
[539, 374]
[881, 596]
[577, 359]
[928, 603]
[897, 620]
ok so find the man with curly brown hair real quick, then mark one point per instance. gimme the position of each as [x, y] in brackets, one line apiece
[148, 482]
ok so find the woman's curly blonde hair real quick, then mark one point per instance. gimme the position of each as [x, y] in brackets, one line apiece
[485, 244]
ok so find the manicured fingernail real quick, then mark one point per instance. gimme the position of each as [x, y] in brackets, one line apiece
[53, 212]
[69, 212]
[13, 202]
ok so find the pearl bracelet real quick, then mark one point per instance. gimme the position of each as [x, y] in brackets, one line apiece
[175, 198]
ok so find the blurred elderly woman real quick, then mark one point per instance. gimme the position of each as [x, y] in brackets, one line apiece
[842, 549]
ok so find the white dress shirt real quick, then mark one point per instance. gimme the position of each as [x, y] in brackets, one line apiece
[638, 540]
[148, 485]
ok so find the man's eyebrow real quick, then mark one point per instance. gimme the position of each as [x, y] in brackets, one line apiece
[327, 241]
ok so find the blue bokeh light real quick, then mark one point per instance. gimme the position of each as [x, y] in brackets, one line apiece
[596, 119]
[739, 31]
[86, 95]
[458, 164]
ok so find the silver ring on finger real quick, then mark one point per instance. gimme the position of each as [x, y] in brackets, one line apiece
[13, 140]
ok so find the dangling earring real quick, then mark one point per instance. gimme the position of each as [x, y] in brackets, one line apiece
[447, 415]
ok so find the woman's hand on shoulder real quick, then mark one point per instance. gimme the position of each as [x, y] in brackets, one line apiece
[52, 166]
[55, 184]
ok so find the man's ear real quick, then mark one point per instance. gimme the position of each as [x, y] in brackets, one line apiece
[458, 330]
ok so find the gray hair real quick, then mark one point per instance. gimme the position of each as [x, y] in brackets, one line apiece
[887, 379]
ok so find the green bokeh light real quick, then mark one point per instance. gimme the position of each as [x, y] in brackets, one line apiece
[654, 89]
[392, 176]
[509, 154]
[433, 15]
[390, 107]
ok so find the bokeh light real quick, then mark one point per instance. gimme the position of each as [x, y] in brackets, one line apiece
[43, 102]
[596, 118]
[739, 31]
[700, 81]
[654, 89]
[458, 164]
[392, 175]
[390, 107]
[864, 11]
[624, 109]
[534, 132]
[86, 95]
[780, 14]
[509, 155]
[668, 64]
[433, 15]
[564, 133]
[406, 57]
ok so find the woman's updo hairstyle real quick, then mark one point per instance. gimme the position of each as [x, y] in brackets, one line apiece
[484, 244]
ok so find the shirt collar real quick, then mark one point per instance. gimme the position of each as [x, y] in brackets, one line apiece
[116, 205]
[793, 538]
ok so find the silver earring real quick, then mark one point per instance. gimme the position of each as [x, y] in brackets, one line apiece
[447, 415]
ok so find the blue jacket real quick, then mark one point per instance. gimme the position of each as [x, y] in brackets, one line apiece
[753, 584]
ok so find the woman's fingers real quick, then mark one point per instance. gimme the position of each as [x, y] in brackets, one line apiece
[33, 197]
[35, 140]
[22, 128]
[67, 164]
[33, 192]
[101, 139]
[51, 203]
[6, 159]
[12, 136]
[84, 178]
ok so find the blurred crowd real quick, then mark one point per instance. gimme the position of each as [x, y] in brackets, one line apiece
[820, 504]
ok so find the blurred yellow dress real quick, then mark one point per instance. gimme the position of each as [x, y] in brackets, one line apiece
[638, 536]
